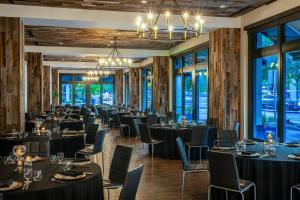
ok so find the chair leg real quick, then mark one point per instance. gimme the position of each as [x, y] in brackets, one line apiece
[182, 185]
[254, 186]
[208, 196]
[75, 155]
[242, 196]
[152, 151]
[108, 194]
[226, 195]
[200, 154]
[189, 154]
[291, 191]
[129, 133]
[102, 163]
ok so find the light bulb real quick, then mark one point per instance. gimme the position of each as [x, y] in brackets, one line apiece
[170, 28]
[198, 17]
[168, 14]
[185, 15]
[201, 21]
[144, 26]
[150, 15]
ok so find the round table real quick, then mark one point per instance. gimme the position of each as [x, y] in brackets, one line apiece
[67, 144]
[89, 188]
[168, 148]
[128, 119]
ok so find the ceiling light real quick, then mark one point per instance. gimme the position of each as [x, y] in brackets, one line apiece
[144, 1]
[222, 6]
[61, 43]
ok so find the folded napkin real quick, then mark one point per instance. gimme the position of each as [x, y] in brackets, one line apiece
[296, 154]
[71, 173]
[81, 160]
[249, 154]
[294, 157]
[5, 183]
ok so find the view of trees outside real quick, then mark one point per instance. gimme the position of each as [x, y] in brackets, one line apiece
[178, 97]
[202, 95]
[146, 89]
[95, 94]
[80, 91]
[188, 95]
[108, 93]
[292, 96]
[66, 94]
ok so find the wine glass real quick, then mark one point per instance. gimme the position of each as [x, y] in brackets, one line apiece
[60, 156]
[28, 172]
[53, 159]
[37, 175]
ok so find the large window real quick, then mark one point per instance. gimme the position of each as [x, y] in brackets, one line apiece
[75, 91]
[146, 89]
[275, 80]
[191, 85]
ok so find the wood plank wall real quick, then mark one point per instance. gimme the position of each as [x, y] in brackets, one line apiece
[55, 87]
[34, 82]
[119, 87]
[224, 77]
[46, 87]
[12, 98]
[134, 86]
[161, 84]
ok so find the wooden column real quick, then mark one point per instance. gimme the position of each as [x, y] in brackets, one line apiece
[161, 84]
[12, 89]
[119, 87]
[134, 86]
[224, 77]
[55, 87]
[46, 88]
[35, 80]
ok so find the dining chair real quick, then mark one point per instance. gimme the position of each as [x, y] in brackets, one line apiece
[117, 124]
[97, 148]
[118, 168]
[151, 119]
[227, 138]
[213, 122]
[187, 168]
[106, 119]
[91, 131]
[89, 120]
[236, 127]
[224, 175]
[136, 123]
[170, 116]
[146, 136]
[199, 140]
[38, 145]
[132, 182]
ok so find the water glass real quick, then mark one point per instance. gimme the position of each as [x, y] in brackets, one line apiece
[53, 159]
[6, 160]
[28, 172]
[60, 156]
[67, 166]
[37, 175]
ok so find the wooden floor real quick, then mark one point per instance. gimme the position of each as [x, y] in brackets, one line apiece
[161, 179]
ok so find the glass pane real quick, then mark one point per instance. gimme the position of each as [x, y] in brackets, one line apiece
[202, 56]
[178, 97]
[66, 78]
[292, 30]
[80, 90]
[144, 92]
[149, 93]
[187, 60]
[108, 94]
[78, 78]
[95, 94]
[267, 38]
[265, 104]
[66, 94]
[108, 79]
[178, 63]
[292, 96]
[188, 95]
[202, 95]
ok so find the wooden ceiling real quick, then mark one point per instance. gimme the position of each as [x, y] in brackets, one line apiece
[208, 7]
[93, 38]
[67, 58]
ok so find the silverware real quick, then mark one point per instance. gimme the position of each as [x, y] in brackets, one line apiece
[28, 185]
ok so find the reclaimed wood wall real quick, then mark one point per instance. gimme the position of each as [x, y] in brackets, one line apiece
[55, 87]
[161, 84]
[119, 87]
[12, 98]
[34, 82]
[224, 77]
[46, 87]
[134, 87]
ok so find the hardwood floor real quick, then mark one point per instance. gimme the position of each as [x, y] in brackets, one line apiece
[162, 180]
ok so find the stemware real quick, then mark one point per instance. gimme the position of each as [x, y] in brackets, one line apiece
[60, 156]
[28, 173]
[53, 159]
[37, 175]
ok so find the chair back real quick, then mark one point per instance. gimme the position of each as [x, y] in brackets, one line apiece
[151, 119]
[39, 145]
[199, 136]
[223, 170]
[89, 121]
[213, 122]
[136, 123]
[91, 131]
[182, 154]
[170, 116]
[132, 182]
[228, 138]
[29, 126]
[236, 127]
[116, 119]
[99, 141]
[120, 164]
[145, 133]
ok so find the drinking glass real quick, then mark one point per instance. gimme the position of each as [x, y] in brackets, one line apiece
[67, 166]
[28, 172]
[37, 175]
[60, 156]
[53, 159]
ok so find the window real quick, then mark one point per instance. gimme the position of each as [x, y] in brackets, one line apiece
[75, 91]
[267, 38]
[191, 86]
[275, 100]
[146, 89]
[126, 89]
[178, 63]
[202, 95]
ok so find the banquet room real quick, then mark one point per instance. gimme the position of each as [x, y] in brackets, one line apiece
[149, 99]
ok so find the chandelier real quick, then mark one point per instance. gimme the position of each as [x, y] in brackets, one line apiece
[106, 64]
[148, 28]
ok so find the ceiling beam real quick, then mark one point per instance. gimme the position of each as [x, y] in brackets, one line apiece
[81, 18]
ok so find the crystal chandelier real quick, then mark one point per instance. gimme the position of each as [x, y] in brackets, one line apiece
[148, 28]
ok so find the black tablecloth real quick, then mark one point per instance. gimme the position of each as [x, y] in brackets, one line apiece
[69, 145]
[89, 188]
[272, 175]
[168, 148]
[75, 125]
[128, 119]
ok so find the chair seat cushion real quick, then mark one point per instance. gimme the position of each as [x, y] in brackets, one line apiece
[154, 141]
[111, 185]
[245, 184]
